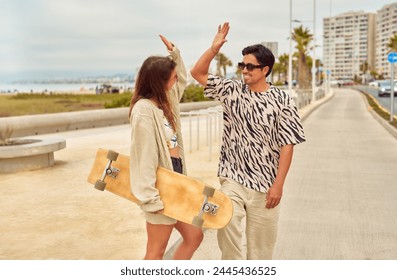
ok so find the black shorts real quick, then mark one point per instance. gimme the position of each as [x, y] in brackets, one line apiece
[177, 164]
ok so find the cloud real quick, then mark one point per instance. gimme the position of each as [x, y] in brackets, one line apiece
[99, 36]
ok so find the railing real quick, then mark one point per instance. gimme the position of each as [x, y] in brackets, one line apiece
[303, 97]
[213, 118]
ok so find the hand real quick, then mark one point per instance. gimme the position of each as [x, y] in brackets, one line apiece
[273, 196]
[167, 43]
[220, 37]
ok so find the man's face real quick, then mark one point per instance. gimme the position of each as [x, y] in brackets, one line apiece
[257, 75]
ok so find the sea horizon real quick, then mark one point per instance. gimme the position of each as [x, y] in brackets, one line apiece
[57, 87]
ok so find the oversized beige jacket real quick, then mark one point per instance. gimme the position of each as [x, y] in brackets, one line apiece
[149, 148]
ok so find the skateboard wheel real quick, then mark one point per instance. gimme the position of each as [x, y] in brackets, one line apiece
[208, 191]
[112, 155]
[198, 222]
[100, 185]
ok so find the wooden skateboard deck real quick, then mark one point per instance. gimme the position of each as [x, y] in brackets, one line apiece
[185, 199]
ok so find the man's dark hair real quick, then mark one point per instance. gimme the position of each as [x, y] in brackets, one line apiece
[264, 56]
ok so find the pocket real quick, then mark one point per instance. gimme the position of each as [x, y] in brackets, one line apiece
[228, 185]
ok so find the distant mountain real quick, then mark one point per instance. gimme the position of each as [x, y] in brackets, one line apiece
[113, 78]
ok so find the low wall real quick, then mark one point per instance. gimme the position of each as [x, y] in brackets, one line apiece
[53, 123]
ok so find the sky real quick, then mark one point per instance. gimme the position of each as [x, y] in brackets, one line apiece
[47, 39]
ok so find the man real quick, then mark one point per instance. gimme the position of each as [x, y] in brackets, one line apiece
[261, 127]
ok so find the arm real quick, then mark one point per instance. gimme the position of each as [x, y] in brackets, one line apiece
[180, 85]
[144, 161]
[275, 192]
[200, 70]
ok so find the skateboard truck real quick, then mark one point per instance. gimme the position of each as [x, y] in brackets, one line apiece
[209, 207]
[108, 171]
[112, 171]
[206, 207]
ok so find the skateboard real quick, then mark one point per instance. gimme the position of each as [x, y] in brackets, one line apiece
[185, 198]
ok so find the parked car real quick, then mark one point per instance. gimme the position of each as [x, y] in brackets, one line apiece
[107, 88]
[384, 88]
[347, 82]
[342, 82]
[374, 83]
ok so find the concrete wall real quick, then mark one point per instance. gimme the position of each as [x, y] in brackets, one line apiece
[52, 123]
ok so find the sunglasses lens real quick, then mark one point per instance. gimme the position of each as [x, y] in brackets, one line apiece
[250, 67]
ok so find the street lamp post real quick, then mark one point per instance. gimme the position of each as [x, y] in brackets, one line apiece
[290, 50]
[314, 54]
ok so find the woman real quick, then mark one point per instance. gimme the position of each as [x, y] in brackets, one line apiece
[156, 140]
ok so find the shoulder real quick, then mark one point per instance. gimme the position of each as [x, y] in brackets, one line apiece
[144, 106]
[282, 95]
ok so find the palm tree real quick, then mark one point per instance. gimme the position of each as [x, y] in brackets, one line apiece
[303, 38]
[283, 64]
[222, 63]
[277, 71]
[238, 72]
[393, 43]
[364, 67]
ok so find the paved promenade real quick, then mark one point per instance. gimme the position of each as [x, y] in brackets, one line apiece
[338, 203]
[339, 199]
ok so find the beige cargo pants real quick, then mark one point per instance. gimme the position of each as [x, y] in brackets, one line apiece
[260, 228]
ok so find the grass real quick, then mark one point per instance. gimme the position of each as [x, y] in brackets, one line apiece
[380, 110]
[31, 104]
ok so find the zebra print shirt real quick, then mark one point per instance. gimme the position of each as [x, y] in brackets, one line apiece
[256, 126]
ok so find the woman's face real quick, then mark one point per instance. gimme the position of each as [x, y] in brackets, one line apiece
[172, 80]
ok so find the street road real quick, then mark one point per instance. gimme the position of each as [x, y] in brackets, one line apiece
[383, 101]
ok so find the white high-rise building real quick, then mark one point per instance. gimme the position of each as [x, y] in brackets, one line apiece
[349, 44]
[386, 27]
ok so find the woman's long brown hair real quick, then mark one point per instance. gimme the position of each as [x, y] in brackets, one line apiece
[151, 84]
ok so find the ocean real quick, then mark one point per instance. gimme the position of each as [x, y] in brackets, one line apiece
[56, 87]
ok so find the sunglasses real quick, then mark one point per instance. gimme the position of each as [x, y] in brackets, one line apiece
[250, 67]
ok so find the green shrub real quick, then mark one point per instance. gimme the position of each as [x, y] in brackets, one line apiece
[120, 100]
[278, 84]
[194, 93]
[375, 106]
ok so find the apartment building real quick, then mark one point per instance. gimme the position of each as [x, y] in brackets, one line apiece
[386, 27]
[349, 44]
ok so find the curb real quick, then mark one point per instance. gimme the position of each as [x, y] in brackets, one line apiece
[391, 129]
